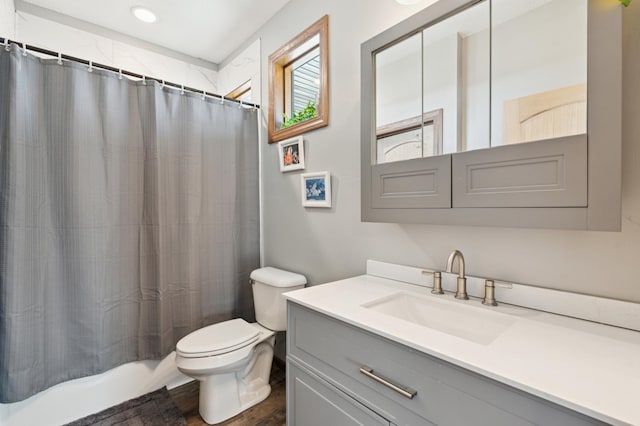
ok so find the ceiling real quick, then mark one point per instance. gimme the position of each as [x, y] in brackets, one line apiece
[206, 29]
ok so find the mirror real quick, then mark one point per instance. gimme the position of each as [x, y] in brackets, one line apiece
[298, 84]
[497, 72]
[398, 102]
[474, 112]
[539, 70]
[441, 74]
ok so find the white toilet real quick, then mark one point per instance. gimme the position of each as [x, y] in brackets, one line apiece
[232, 359]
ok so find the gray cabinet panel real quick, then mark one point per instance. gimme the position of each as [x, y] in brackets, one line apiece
[313, 402]
[419, 183]
[535, 174]
[336, 351]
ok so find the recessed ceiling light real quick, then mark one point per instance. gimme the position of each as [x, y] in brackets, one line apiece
[144, 14]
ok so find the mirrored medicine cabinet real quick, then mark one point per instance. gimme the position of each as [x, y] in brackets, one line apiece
[495, 113]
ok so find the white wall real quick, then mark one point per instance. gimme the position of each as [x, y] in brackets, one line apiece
[329, 244]
[244, 66]
[7, 19]
[57, 37]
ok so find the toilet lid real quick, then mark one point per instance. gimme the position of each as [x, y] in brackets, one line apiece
[217, 339]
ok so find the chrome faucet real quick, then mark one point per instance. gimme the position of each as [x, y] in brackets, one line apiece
[461, 289]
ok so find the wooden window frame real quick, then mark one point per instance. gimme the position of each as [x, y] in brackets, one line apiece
[278, 62]
[239, 91]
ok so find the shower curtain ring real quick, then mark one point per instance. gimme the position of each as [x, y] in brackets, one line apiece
[182, 89]
[240, 104]
[162, 85]
[59, 58]
[204, 95]
[144, 80]
[90, 69]
[119, 74]
[7, 46]
[24, 49]
[222, 100]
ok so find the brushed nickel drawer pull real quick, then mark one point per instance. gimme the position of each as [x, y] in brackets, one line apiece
[405, 391]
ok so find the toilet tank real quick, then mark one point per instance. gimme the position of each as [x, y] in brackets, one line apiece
[268, 286]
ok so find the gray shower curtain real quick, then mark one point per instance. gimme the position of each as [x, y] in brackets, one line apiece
[128, 218]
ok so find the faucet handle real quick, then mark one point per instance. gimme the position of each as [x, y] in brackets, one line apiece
[437, 281]
[489, 293]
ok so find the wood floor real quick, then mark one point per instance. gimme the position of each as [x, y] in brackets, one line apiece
[270, 412]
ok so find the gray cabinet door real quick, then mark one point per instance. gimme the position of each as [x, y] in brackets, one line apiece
[413, 184]
[314, 402]
[548, 173]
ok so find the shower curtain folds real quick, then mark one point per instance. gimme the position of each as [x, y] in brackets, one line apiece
[128, 218]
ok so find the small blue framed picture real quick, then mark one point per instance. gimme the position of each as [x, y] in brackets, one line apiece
[316, 189]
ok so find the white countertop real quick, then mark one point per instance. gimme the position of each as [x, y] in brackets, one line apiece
[588, 367]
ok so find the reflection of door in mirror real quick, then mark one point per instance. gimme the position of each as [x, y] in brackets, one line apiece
[538, 69]
[410, 138]
[546, 115]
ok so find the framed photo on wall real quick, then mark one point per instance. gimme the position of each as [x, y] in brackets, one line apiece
[316, 189]
[291, 154]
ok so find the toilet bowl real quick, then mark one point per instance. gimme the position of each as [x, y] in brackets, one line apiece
[232, 359]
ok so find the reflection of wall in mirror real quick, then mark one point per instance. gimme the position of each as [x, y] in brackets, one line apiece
[535, 52]
[398, 82]
[440, 86]
[475, 78]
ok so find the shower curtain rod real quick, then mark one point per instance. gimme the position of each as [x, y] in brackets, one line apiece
[6, 42]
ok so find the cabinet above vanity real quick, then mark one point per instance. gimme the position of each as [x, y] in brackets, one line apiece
[495, 113]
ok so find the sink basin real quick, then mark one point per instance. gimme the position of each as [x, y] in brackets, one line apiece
[455, 318]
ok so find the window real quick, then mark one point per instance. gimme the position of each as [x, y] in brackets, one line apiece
[298, 84]
[241, 93]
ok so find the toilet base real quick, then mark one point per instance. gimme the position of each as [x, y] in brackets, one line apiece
[223, 396]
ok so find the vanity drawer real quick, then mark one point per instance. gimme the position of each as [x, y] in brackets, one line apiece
[445, 394]
[314, 402]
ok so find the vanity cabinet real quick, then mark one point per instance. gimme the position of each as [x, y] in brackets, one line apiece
[314, 402]
[325, 384]
[488, 67]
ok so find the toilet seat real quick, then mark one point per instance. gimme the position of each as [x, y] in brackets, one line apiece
[218, 339]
